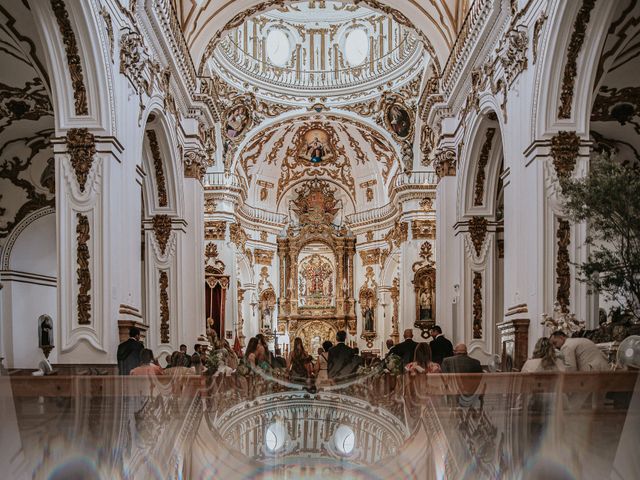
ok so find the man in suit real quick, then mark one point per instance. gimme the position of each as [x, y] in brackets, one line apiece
[340, 358]
[129, 352]
[461, 362]
[441, 347]
[406, 349]
[579, 354]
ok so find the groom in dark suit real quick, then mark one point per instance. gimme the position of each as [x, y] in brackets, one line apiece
[441, 347]
[340, 358]
[129, 352]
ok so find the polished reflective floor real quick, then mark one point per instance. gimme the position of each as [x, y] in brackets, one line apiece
[372, 427]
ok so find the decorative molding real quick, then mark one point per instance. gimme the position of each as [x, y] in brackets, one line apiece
[73, 57]
[514, 56]
[370, 257]
[195, 163]
[423, 229]
[428, 142]
[564, 150]
[563, 273]
[477, 305]
[159, 168]
[571, 67]
[264, 236]
[394, 293]
[84, 274]
[108, 23]
[162, 231]
[398, 234]
[368, 185]
[5, 252]
[238, 236]
[445, 163]
[426, 252]
[215, 229]
[163, 283]
[263, 257]
[81, 146]
[264, 189]
[482, 166]
[537, 30]
[478, 233]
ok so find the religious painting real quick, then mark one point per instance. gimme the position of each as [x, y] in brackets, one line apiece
[237, 120]
[316, 282]
[315, 146]
[397, 117]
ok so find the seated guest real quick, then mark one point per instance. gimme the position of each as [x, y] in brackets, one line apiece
[441, 347]
[300, 363]
[147, 365]
[322, 375]
[461, 362]
[422, 361]
[129, 352]
[357, 361]
[177, 365]
[196, 364]
[251, 352]
[268, 355]
[544, 358]
[185, 357]
[231, 357]
[405, 350]
[339, 360]
[579, 354]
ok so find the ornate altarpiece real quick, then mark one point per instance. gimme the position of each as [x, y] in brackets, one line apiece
[316, 208]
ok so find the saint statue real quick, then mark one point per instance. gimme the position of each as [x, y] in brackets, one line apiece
[368, 319]
[45, 331]
[425, 305]
[266, 318]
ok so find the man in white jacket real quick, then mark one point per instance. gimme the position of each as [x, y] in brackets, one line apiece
[580, 354]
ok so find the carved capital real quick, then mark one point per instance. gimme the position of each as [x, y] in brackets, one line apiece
[81, 145]
[478, 232]
[162, 231]
[445, 163]
[195, 163]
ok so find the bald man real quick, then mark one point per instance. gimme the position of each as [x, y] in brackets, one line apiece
[461, 362]
[406, 349]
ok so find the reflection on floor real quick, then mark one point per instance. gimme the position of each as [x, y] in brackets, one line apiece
[395, 427]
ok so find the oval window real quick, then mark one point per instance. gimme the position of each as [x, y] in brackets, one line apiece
[356, 47]
[274, 437]
[278, 47]
[344, 439]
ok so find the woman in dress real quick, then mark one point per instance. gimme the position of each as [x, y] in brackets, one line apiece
[322, 377]
[422, 361]
[544, 358]
[251, 352]
[300, 365]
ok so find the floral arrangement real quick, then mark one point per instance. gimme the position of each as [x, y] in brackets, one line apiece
[393, 364]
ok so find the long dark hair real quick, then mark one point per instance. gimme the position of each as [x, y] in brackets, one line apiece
[422, 355]
[546, 352]
[298, 350]
[252, 346]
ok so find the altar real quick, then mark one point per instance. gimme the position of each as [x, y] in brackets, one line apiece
[316, 270]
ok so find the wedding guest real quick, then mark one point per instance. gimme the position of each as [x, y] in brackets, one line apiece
[543, 359]
[186, 358]
[279, 360]
[300, 363]
[322, 375]
[177, 366]
[357, 361]
[129, 352]
[339, 358]
[147, 365]
[196, 364]
[461, 362]
[251, 352]
[232, 358]
[268, 355]
[422, 361]
[389, 343]
[405, 350]
[441, 347]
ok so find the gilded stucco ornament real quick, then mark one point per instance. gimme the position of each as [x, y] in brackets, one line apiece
[83, 271]
[81, 145]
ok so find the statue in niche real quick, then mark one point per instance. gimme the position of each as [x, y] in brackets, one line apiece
[266, 318]
[425, 306]
[45, 331]
[368, 318]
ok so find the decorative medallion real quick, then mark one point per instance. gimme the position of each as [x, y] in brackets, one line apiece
[482, 166]
[478, 232]
[263, 257]
[423, 229]
[398, 118]
[159, 168]
[477, 305]
[315, 203]
[238, 118]
[162, 231]
[370, 257]
[571, 67]
[315, 146]
[215, 230]
[83, 272]
[564, 150]
[73, 57]
[81, 146]
[164, 306]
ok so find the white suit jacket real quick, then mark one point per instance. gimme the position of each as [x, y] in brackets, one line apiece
[582, 355]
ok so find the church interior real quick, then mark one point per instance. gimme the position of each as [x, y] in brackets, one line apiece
[257, 178]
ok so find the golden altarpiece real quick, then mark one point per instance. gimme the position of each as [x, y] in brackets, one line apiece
[316, 269]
